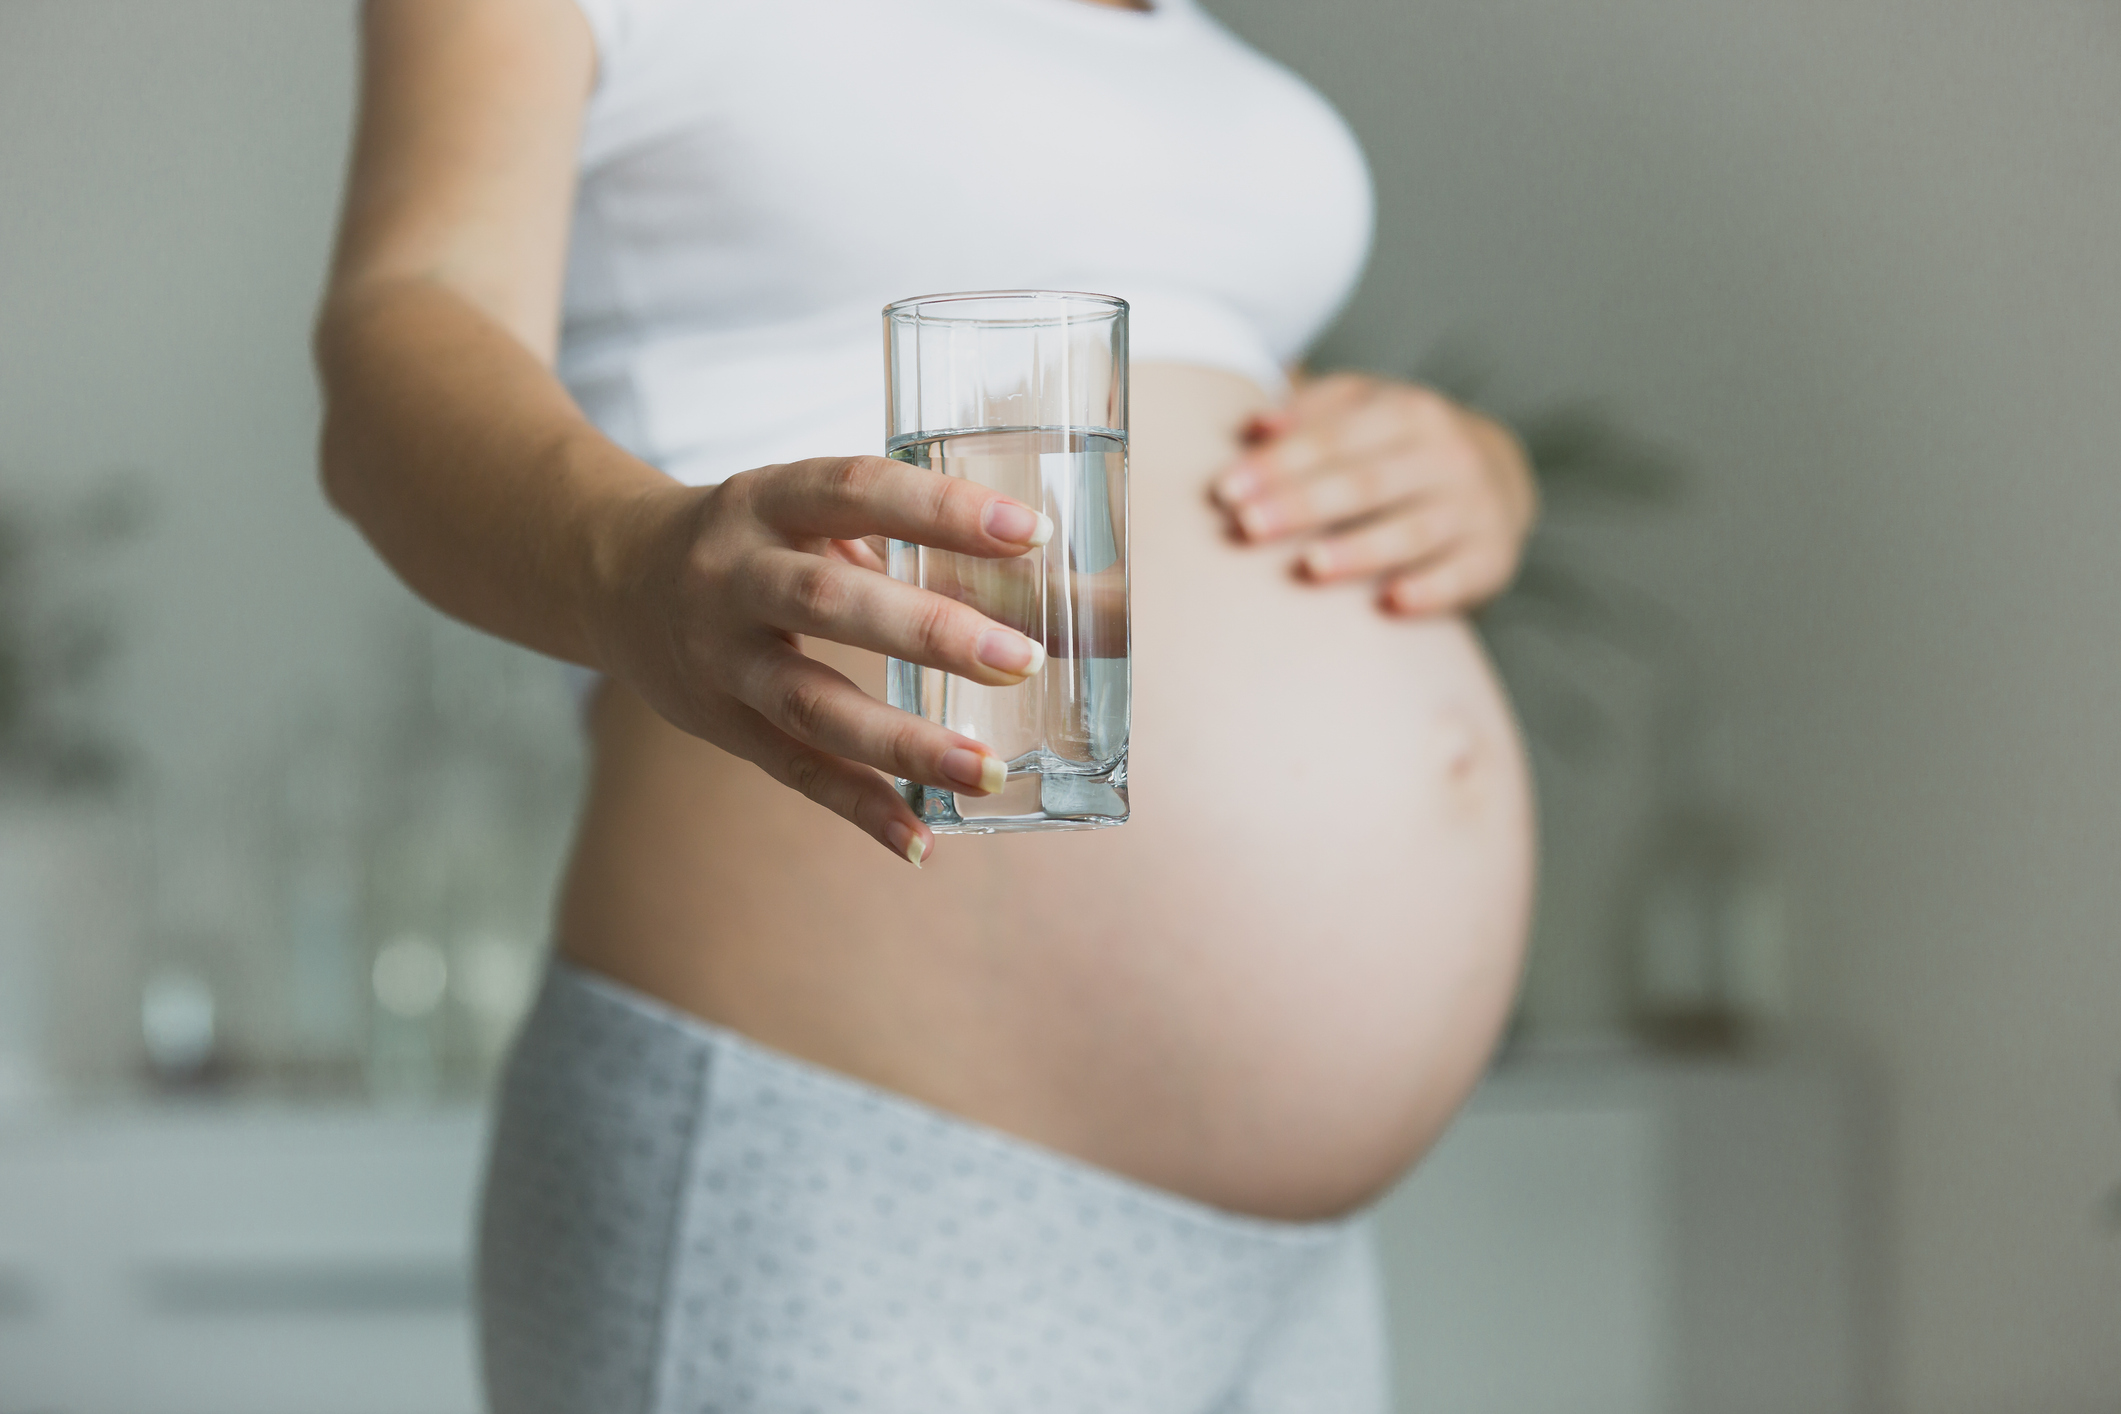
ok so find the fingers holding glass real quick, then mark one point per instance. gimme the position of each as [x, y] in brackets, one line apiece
[867, 553]
[848, 498]
[854, 793]
[823, 597]
[819, 708]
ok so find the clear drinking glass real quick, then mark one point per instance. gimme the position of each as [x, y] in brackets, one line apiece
[1025, 392]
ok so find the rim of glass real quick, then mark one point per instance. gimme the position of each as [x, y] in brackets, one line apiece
[1076, 304]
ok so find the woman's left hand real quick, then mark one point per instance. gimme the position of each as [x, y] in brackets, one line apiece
[1392, 482]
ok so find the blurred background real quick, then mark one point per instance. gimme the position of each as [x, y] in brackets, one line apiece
[1813, 313]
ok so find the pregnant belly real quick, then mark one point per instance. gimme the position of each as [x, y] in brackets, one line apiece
[1268, 990]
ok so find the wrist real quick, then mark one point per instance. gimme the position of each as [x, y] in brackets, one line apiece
[627, 537]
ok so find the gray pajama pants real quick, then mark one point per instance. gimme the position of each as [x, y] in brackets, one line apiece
[679, 1221]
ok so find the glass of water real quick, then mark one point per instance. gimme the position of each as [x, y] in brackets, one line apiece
[1024, 392]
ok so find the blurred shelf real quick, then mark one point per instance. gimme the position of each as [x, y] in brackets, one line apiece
[200, 1256]
[1631, 1233]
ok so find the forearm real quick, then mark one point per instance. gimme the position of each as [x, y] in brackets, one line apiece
[467, 466]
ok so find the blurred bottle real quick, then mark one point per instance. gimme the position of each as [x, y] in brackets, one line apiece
[410, 979]
[69, 905]
[27, 842]
[319, 841]
[483, 770]
[179, 1026]
[206, 1013]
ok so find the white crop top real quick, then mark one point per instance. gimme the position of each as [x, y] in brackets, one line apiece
[760, 177]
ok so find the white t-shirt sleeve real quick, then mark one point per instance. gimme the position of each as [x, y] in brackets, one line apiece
[615, 25]
[606, 25]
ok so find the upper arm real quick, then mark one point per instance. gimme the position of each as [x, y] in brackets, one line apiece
[464, 155]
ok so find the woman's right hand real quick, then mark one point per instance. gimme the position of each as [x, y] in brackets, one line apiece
[450, 443]
[718, 585]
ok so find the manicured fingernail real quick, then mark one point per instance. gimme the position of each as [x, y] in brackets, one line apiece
[1006, 520]
[1236, 484]
[1432, 592]
[910, 844]
[975, 770]
[1257, 522]
[1010, 652]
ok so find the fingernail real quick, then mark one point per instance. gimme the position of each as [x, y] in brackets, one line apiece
[1257, 522]
[1318, 561]
[1010, 652]
[1236, 484]
[910, 844]
[1006, 520]
[975, 770]
[1429, 594]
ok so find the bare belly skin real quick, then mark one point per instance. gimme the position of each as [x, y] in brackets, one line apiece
[1268, 991]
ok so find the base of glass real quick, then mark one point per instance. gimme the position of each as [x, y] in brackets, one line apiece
[1030, 801]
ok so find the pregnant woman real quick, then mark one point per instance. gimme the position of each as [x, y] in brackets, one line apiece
[1074, 1122]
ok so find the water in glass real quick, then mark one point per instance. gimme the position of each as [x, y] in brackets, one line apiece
[1063, 731]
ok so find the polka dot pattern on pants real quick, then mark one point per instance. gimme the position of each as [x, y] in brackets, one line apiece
[680, 1221]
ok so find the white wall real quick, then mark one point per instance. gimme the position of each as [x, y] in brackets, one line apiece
[1862, 262]
[168, 183]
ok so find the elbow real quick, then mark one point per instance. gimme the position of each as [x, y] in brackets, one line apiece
[335, 462]
[334, 467]
[335, 458]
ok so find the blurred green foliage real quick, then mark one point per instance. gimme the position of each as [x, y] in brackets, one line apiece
[58, 636]
[1589, 465]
